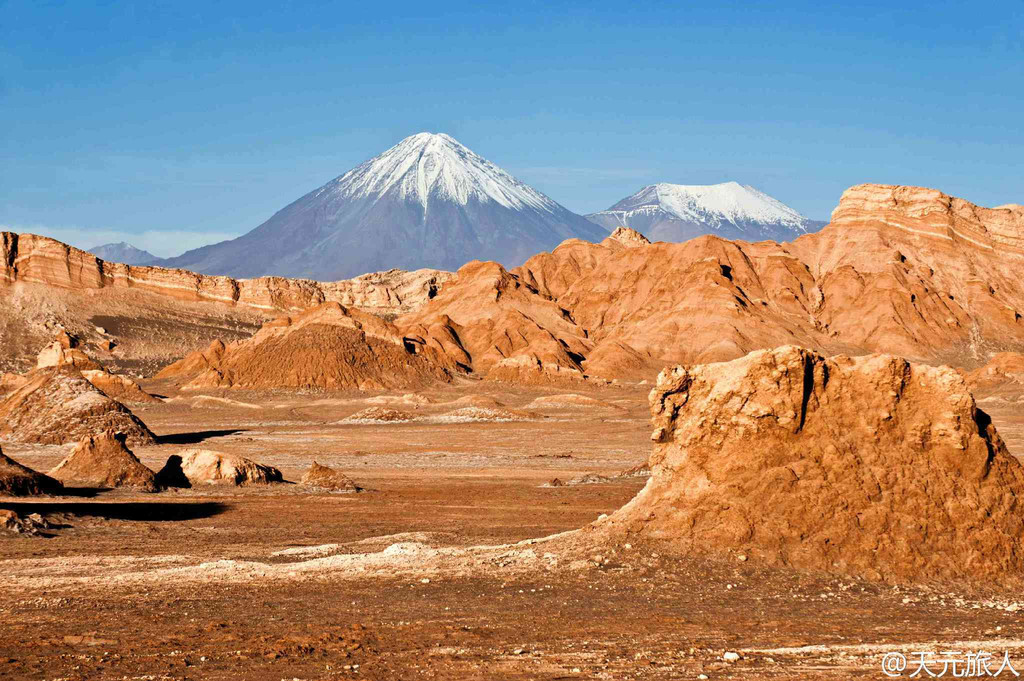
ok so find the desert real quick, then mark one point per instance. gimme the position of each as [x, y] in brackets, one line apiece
[511, 341]
[793, 459]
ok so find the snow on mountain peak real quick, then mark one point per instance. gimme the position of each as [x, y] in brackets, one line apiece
[714, 203]
[429, 166]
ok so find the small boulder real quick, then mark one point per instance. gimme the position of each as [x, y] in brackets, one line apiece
[207, 467]
[31, 524]
[171, 474]
[325, 477]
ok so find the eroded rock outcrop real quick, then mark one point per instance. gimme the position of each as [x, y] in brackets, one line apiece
[103, 461]
[17, 480]
[121, 388]
[490, 319]
[1004, 369]
[9, 382]
[328, 347]
[65, 351]
[57, 405]
[871, 466]
[32, 524]
[629, 238]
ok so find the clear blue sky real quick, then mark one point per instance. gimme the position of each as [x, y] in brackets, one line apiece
[172, 124]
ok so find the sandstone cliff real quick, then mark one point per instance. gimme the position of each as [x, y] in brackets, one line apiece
[32, 258]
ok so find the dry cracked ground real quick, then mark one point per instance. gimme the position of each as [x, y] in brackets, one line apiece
[457, 562]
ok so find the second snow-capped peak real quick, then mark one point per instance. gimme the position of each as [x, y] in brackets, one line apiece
[725, 202]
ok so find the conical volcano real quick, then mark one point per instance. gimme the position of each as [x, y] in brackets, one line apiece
[426, 202]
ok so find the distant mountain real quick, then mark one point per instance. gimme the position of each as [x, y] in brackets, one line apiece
[124, 253]
[678, 212]
[426, 202]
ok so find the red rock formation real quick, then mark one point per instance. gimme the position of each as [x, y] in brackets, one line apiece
[327, 347]
[146, 317]
[871, 466]
[195, 363]
[121, 388]
[491, 319]
[64, 351]
[914, 271]
[899, 269]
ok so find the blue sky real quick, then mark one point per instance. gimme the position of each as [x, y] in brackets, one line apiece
[175, 124]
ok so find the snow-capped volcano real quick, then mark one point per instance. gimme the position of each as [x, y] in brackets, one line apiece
[434, 166]
[677, 212]
[428, 201]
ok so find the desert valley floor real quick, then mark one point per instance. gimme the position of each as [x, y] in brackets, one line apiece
[440, 568]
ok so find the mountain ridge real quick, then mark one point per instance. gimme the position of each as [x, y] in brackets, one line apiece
[125, 253]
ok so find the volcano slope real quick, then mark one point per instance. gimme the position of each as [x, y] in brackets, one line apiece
[899, 269]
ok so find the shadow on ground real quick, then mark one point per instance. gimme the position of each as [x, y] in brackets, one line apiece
[158, 511]
[195, 437]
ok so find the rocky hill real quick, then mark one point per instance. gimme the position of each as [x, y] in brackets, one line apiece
[327, 347]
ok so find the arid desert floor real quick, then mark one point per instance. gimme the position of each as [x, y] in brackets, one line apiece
[457, 561]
